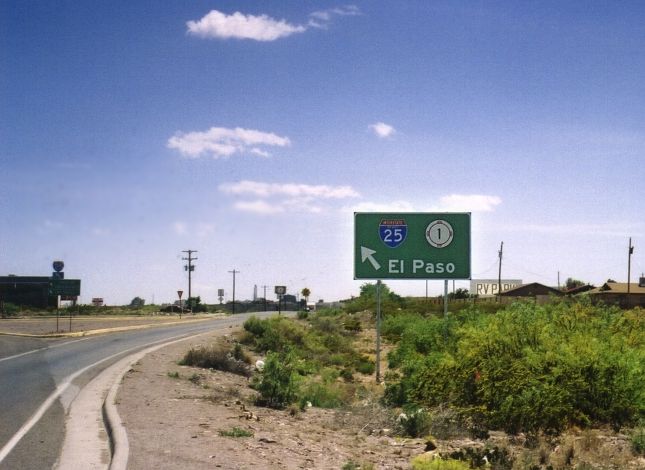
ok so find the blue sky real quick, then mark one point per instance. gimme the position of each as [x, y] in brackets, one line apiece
[251, 132]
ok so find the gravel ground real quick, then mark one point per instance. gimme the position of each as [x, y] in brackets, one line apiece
[174, 416]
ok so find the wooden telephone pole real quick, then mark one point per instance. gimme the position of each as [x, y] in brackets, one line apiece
[190, 268]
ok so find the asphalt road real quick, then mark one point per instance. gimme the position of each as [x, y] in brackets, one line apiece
[39, 378]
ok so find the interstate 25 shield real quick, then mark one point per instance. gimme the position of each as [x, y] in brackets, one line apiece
[393, 231]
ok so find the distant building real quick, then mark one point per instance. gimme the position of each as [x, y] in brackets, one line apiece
[579, 289]
[615, 293]
[535, 290]
[31, 291]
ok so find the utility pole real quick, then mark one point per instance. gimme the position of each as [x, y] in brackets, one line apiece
[234, 272]
[630, 252]
[499, 275]
[265, 297]
[190, 268]
[558, 280]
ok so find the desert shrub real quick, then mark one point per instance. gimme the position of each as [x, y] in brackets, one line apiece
[255, 326]
[321, 394]
[215, 358]
[415, 422]
[527, 368]
[352, 324]
[637, 439]
[275, 333]
[428, 462]
[236, 432]
[328, 312]
[302, 314]
[10, 310]
[240, 354]
[365, 365]
[277, 384]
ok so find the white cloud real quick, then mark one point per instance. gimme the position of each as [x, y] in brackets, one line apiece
[382, 130]
[216, 24]
[204, 230]
[223, 142]
[100, 232]
[180, 228]
[468, 203]
[259, 207]
[394, 206]
[320, 18]
[450, 203]
[201, 230]
[273, 198]
[261, 189]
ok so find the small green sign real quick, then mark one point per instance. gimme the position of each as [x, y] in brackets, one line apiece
[412, 245]
[69, 287]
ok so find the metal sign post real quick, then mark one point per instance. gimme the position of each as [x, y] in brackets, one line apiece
[378, 331]
[410, 246]
[280, 291]
[180, 293]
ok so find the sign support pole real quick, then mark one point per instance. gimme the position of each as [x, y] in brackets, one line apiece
[445, 299]
[378, 331]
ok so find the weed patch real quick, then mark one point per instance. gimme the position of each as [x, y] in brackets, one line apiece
[236, 432]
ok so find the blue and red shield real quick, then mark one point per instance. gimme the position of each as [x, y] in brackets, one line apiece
[393, 232]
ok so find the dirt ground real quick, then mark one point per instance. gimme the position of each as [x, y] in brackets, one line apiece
[174, 416]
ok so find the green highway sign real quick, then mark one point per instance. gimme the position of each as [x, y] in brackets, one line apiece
[71, 287]
[412, 245]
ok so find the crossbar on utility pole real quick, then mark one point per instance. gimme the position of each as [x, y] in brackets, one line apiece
[190, 268]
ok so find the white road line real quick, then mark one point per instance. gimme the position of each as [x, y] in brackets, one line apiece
[16, 356]
[31, 422]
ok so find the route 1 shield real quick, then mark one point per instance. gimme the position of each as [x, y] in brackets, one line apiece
[393, 232]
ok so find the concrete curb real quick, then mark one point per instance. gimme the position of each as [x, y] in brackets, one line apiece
[95, 436]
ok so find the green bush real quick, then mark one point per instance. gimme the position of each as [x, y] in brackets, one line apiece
[10, 310]
[365, 365]
[415, 422]
[216, 358]
[277, 383]
[526, 368]
[425, 462]
[236, 432]
[637, 438]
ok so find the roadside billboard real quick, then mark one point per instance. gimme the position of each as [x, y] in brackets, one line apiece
[489, 287]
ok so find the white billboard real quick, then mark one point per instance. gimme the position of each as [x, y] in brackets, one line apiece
[489, 287]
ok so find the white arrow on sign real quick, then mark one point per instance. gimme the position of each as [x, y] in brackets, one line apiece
[366, 254]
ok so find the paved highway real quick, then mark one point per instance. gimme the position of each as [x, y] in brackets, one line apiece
[39, 378]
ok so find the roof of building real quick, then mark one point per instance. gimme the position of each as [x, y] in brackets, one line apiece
[617, 288]
[579, 289]
[532, 289]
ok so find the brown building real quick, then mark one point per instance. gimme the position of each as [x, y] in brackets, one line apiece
[615, 293]
[534, 290]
